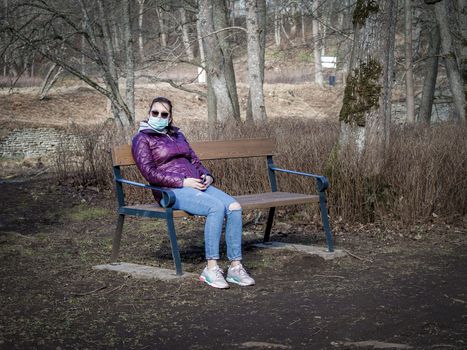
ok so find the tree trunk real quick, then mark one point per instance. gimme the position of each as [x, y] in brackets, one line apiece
[255, 74]
[277, 23]
[293, 21]
[322, 40]
[431, 72]
[186, 35]
[215, 63]
[50, 80]
[129, 57]
[83, 45]
[450, 57]
[220, 22]
[462, 16]
[162, 30]
[316, 45]
[416, 33]
[32, 65]
[140, 28]
[303, 27]
[5, 35]
[119, 108]
[408, 63]
[108, 44]
[366, 110]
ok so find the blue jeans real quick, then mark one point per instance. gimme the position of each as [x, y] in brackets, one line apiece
[214, 204]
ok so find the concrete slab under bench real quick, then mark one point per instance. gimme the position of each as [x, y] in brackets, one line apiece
[143, 271]
[307, 249]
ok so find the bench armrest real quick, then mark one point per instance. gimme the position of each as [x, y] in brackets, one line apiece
[168, 197]
[322, 182]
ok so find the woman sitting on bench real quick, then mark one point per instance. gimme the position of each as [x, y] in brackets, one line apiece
[165, 159]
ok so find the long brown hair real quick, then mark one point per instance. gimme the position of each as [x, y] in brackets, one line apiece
[165, 101]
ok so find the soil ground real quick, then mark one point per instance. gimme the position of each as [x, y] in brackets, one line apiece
[401, 287]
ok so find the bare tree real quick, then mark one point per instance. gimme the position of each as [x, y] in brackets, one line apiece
[255, 58]
[444, 12]
[303, 24]
[293, 20]
[277, 23]
[140, 27]
[129, 56]
[409, 84]
[317, 44]
[51, 78]
[55, 30]
[185, 35]
[223, 34]
[366, 111]
[220, 97]
[431, 69]
[162, 29]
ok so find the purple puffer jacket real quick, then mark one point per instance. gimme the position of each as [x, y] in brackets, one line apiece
[165, 160]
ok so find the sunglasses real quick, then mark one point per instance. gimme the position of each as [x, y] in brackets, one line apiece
[163, 114]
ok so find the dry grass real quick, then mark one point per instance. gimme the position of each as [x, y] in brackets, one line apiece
[424, 175]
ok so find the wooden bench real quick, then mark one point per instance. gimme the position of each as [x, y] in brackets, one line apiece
[210, 150]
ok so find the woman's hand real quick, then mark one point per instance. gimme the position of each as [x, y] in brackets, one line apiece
[207, 180]
[195, 183]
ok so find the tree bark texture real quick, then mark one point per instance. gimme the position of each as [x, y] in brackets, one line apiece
[431, 73]
[462, 15]
[162, 30]
[119, 109]
[303, 26]
[443, 12]
[277, 23]
[200, 41]
[218, 90]
[255, 61]
[129, 57]
[409, 84]
[293, 20]
[316, 45]
[50, 79]
[140, 28]
[366, 111]
[186, 35]
[220, 18]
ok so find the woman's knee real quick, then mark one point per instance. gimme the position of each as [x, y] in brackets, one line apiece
[234, 206]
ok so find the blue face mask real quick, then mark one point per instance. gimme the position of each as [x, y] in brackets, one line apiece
[158, 124]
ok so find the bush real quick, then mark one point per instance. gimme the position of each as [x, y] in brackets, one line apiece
[424, 174]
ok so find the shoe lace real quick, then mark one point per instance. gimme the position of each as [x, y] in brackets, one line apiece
[219, 273]
[241, 270]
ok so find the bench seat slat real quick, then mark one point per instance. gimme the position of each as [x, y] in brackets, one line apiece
[249, 201]
[274, 199]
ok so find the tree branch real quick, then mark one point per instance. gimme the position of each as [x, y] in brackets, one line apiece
[173, 84]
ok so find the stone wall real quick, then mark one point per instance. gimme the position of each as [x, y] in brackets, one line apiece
[34, 142]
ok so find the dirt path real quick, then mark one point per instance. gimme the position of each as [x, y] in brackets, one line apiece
[405, 293]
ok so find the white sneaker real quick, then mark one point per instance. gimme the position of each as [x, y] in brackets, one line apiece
[214, 277]
[239, 276]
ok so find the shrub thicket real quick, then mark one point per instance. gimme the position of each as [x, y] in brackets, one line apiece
[424, 174]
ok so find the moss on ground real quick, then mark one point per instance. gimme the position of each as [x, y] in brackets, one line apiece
[85, 213]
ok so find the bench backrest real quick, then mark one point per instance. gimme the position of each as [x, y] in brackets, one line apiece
[207, 150]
